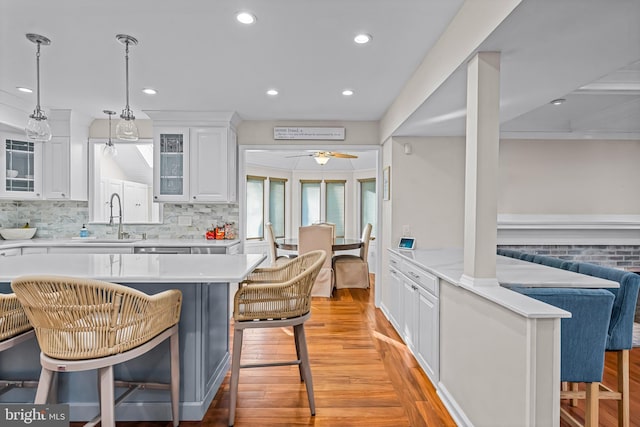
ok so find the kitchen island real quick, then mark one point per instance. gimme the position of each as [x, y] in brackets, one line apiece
[204, 329]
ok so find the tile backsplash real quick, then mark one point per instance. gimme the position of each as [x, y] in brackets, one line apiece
[63, 219]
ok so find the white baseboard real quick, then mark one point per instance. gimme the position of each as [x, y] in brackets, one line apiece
[452, 406]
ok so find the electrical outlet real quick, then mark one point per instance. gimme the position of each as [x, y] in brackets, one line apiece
[406, 230]
[184, 220]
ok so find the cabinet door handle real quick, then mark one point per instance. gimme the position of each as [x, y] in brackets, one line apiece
[63, 195]
[194, 197]
[155, 197]
[38, 194]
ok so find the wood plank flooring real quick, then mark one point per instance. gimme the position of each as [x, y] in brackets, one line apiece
[363, 375]
[608, 408]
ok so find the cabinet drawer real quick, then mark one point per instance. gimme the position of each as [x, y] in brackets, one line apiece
[395, 262]
[428, 281]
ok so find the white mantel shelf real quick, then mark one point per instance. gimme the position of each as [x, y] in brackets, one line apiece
[135, 268]
[520, 229]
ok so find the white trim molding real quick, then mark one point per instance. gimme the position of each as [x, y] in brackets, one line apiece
[520, 229]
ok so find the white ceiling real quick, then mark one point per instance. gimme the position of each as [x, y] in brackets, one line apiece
[199, 58]
[549, 50]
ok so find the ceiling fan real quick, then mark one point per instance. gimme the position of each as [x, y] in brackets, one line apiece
[322, 157]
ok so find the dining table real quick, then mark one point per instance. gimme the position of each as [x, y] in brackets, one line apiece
[339, 244]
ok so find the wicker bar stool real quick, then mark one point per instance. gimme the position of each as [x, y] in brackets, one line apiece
[86, 324]
[14, 329]
[276, 297]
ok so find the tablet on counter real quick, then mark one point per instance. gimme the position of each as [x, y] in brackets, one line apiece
[407, 243]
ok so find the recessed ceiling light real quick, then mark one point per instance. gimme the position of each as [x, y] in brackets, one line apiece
[362, 38]
[245, 18]
[558, 101]
[149, 91]
[272, 92]
[24, 89]
[347, 92]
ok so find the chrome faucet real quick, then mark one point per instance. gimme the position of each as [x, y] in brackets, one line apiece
[120, 233]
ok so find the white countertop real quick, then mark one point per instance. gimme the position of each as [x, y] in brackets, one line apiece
[134, 268]
[8, 244]
[448, 264]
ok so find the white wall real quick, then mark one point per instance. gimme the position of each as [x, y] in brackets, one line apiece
[427, 190]
[569, 177]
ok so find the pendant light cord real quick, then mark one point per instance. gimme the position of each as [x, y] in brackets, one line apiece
[38, 78]
[126, 62]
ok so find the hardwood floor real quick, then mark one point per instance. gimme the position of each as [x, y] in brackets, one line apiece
[608, 408]
[363, 375]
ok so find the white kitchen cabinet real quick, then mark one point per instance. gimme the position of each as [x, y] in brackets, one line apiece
[91, 249]
[415, 312]
[10, 252]
[195, 156]
[65, 161]
[428, 345]
[410, 325]
[34, 250]
[396, 293]
[171, 160]
[21, 167]
[212, 164]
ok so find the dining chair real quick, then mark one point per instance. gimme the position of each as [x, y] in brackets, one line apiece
[352, 271]
[276, 297]
[274, 258]
[582, 342]
[83, 324]
[14, 330]
[318, 237]
[328, 224]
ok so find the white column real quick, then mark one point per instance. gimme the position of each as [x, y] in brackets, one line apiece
[481, 169]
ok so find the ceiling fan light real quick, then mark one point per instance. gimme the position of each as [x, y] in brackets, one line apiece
[321, 160]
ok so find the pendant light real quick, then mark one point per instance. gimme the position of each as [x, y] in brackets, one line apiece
[37, 127]
[127, 129]
[109, 149]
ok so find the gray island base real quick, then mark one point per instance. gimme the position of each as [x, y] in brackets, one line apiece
[203, 328]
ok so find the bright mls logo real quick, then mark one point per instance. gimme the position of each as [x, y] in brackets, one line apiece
[34, 415]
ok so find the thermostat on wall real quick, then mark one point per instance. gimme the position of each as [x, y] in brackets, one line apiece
[407, 243]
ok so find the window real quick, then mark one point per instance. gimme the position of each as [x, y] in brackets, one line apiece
[255, 207]
[335, 205]
[310, 192]
[367, 204]
[277, 205]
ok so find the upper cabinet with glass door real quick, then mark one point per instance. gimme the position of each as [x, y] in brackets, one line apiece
[171, 155]
[22, 164]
